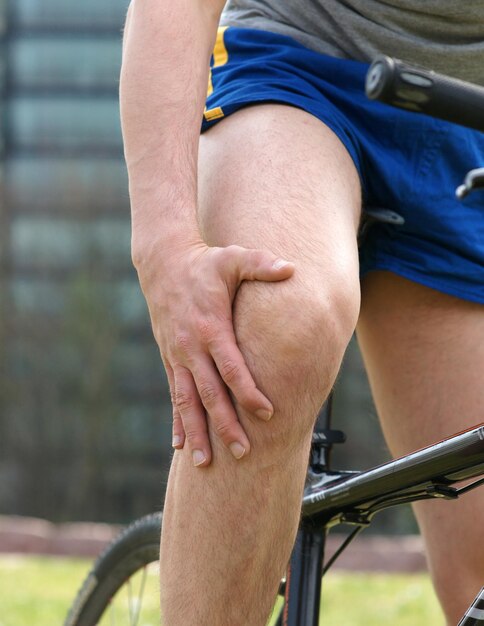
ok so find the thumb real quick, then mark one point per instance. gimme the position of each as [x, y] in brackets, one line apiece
[258, 264]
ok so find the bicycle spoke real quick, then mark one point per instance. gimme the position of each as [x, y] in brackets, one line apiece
[140, 595]
[130, 602]
[128, 593]
[123, 589]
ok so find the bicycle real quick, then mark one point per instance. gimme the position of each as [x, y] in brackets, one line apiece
[330, 497]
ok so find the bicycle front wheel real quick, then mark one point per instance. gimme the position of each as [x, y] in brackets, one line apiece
[123, 586]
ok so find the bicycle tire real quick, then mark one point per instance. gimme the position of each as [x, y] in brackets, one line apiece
[134, 549]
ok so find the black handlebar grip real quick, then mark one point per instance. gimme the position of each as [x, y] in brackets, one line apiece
[421, 90]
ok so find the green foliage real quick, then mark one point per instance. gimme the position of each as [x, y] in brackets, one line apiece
[61, 394]
[60, 413]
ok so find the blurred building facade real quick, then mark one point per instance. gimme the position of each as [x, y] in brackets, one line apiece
[85, 419]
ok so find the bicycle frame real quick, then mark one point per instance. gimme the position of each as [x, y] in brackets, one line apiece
[332, 498]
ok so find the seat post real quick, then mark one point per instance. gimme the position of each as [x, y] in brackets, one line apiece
[319, 461]
[303, 580]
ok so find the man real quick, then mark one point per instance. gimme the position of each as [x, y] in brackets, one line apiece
[250, 267]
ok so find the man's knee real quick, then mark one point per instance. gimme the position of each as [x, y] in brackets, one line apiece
[293, 337]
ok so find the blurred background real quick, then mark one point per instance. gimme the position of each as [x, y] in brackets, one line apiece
[85, 419]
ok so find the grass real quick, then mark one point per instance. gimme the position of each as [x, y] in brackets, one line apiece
[39, 590]
[375, 600]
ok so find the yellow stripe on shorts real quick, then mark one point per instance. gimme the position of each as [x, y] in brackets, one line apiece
[213, 114]
[220, 56]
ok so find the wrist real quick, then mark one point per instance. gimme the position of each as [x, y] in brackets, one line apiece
[156, 244]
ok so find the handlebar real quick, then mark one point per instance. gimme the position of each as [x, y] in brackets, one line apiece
[418, 89]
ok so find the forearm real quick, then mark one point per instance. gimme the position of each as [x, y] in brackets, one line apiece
[164, 75]
[189, 286]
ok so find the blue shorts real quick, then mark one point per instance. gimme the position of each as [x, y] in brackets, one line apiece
[407, 162]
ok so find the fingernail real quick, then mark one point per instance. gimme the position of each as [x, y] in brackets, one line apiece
[264, 414]
[176, 441]
[237, 449]
[198, 457]
[280, 263]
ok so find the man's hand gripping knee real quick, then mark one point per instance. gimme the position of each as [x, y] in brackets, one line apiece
[190, 290]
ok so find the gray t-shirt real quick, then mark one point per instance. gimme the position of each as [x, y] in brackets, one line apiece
[444, 35]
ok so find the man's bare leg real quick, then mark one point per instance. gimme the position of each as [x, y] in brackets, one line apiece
[424, 353]
[271, 177]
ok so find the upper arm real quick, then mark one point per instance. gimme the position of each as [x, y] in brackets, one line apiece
[211, 8]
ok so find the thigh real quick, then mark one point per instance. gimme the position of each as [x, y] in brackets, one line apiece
[275, 177]
[424, 353]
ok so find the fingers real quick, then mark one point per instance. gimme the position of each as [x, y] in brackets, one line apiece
[178, 436]
[193, 416]
[215, 398]
[204, 392]
[202, 344]
[219, 340]
[237, 264]
[236, 375]
[256, 264]
[178, 433]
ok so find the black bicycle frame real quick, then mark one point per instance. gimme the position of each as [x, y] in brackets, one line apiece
[303, 579]
[332, 498]
[475, 613]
